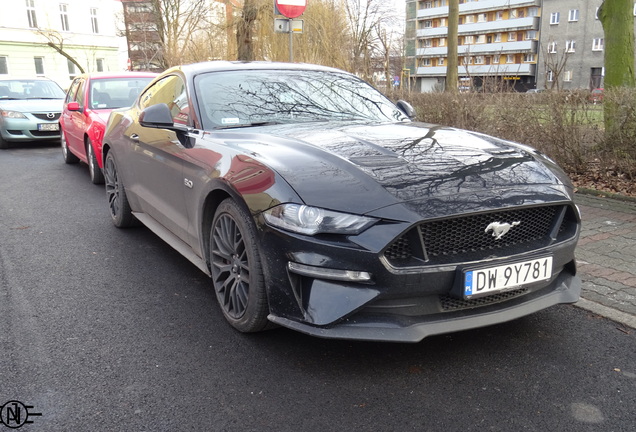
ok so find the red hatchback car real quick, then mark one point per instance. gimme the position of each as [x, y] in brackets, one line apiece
[89, 101]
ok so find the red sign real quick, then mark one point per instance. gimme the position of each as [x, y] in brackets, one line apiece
[291, 8]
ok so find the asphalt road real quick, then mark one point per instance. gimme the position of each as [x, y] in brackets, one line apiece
[104, 329]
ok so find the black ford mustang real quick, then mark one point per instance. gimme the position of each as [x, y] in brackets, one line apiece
[315, 203]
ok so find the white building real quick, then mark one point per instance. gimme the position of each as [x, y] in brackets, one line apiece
[85, 29]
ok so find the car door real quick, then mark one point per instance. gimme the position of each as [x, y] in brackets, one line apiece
[69, 118]
[157, 159]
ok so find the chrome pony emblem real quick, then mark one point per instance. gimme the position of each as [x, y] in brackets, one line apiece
[500, 229]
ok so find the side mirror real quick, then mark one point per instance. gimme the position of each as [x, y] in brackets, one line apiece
[157, 116]
[73, 106]
[406, 108]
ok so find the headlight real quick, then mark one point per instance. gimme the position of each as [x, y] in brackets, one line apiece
[12, 114]
[312, 220]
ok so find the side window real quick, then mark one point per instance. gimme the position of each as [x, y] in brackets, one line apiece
[171, 90]
[72, 90]
[79, 96]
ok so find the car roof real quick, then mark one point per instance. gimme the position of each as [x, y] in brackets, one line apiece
[123, 74]
[221, 65]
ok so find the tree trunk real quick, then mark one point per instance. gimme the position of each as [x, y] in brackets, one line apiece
[452, 63]
[244, 27]
[617, 18]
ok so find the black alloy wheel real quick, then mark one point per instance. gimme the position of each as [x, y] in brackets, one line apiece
[97, 177]
[118, 204]
[237, 275]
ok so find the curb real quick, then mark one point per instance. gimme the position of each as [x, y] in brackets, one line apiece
[607, 312]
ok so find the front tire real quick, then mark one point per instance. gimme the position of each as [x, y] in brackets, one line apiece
[118, 205]
[97, 176]
[3, 143]
[237, 274]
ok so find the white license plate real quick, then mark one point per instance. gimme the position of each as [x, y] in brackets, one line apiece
[494, 279]
[48, 127]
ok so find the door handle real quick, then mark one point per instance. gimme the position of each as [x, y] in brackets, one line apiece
[134, 137]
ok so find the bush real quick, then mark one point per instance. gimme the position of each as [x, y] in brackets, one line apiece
[565, 125]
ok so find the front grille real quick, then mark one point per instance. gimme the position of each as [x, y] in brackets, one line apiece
[450, 304]
[465, 238]
[41, 116]
[45, 134]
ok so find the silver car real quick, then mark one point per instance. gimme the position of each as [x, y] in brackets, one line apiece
[29, 110]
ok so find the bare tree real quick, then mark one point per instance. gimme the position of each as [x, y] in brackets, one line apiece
[178, 22]
[554, 65]
[56, 41]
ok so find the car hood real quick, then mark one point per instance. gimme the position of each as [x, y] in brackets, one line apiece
[418, 164]
[33, 105]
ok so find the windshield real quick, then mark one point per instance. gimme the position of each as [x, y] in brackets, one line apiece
[111, 93]
[244, 98]
[30, 89]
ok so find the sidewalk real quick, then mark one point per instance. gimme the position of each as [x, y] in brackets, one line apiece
[606, 257]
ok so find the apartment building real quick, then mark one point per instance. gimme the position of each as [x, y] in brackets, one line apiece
[572, 45]
[498, 43]
[84, 29]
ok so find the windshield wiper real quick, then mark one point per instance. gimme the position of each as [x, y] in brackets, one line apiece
[246, 125]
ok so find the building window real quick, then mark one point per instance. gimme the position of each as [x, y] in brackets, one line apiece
[554, 18]
[550, 76]
[482, 17]
[469, 40]
[39, 65]
[570, 46]
[428, 24]
[443, 22]
[567, 76]
[496, 59]
[499, 15]
[510, 58]
[597, 44]
[428, 5]
[512, 36]
[94, 22]
[529, 58]
[531, 35]
[426, 62]
[30, 8]
[440, 62]
[552, 46]
[99, 63]
[573, 15]
[64, 16]
[479, 60]
[427, 43]
[72, 73]
[498, 37]
[533, 11]
[442, 42]
[481, 39]
[4, 70]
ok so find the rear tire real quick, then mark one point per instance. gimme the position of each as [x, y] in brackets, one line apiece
[118, 205]
[69, 157]
[236, 269]
[97, 176]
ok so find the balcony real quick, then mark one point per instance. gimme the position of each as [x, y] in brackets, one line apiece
[481, 70]
[528, 23]
[480, 49]
[474, 7]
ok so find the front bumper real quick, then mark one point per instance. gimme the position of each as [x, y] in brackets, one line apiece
[24, 130]
[402, 304]
[399, 328]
